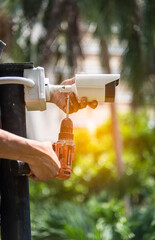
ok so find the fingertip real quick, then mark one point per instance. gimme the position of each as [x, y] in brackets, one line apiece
[74, 103]
[72, 80]
[69, 81]
[93, 104]
[83, 99]
[83, 102]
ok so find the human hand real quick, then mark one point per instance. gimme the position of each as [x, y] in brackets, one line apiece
[42, 160]
[60, 99]
[40, 156]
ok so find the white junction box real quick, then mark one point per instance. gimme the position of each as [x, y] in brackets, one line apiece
[35, 97]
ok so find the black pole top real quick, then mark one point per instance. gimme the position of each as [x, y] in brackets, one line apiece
[14, 69]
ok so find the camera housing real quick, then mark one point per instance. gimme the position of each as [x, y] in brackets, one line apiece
[100, 87]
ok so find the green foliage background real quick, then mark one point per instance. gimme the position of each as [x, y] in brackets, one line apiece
[92, 204]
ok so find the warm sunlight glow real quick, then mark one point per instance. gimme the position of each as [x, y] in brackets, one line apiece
[91, 125]
[91, 118]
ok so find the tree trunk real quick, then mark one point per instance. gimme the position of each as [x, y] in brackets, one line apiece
[105, 63]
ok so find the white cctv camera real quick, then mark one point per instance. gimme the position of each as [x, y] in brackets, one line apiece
[100, 87]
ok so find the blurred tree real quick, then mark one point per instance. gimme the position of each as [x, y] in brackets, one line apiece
[138, 29]
[46, 31]
[43, 29]
[102, 15]
[133, 25]
[130, 25]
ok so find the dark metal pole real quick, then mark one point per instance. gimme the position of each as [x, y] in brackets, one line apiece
[15, 210]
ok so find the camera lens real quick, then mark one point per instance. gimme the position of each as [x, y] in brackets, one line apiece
[110, 91]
